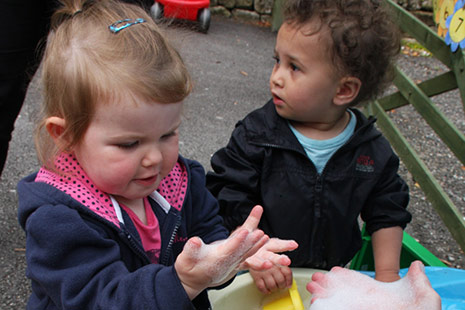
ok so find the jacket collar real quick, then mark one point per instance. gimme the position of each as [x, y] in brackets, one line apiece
[71, 179]
[265, 127]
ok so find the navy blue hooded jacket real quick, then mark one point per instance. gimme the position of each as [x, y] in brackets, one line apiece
[78, 260]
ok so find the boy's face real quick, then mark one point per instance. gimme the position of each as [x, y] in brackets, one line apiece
[304, 81]
[128, 148]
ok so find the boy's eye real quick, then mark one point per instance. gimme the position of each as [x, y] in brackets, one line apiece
[294, 67]
[276, 58]
[128, 145]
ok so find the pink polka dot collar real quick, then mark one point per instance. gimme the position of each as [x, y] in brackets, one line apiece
[71, 179]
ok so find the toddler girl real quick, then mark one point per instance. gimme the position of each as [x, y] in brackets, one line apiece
[115, 218]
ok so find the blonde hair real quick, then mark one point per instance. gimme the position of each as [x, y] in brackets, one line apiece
[86, 64]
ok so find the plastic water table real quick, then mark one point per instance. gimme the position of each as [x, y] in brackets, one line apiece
[449, 283]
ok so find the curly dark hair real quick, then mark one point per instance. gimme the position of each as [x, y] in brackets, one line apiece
[364, 43]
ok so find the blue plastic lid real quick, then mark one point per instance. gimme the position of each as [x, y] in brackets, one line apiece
[449, 283]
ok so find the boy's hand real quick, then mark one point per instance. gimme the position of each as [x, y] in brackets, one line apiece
[387, 246]
[200, 266]
[279, 276]
[387, 276]
[270, 280]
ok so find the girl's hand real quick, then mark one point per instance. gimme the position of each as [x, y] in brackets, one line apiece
[203, 265]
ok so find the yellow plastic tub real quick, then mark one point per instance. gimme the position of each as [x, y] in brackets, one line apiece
[242, 294]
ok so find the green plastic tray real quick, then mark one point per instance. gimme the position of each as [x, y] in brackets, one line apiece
[411, 251]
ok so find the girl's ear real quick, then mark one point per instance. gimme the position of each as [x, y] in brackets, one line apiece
[56, 127]
[347, 91]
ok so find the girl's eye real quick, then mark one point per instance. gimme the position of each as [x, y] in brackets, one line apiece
[128, 145]
[169, 135]
[276, 58]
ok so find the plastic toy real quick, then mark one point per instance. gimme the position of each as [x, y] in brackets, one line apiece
[290, 301]
[193, 10]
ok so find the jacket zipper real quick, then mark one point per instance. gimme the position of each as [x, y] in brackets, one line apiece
[135, 246]
[318, 191]
[165, 258]
[131, 242]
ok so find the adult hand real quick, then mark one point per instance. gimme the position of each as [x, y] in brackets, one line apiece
[336, 289]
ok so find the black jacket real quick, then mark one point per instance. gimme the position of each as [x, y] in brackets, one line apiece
[265, 164]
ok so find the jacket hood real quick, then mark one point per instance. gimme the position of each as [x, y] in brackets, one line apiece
[32, 195]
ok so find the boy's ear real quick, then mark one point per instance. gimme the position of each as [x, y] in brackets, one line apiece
[347, 91]
[55, 127]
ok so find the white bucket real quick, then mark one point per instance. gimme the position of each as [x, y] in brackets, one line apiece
[242, 293]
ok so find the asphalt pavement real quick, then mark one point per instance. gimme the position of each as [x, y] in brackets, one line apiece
[230, 66]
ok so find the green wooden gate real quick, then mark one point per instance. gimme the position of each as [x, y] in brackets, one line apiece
[418, 95]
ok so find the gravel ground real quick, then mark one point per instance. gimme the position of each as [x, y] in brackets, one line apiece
[231, 66]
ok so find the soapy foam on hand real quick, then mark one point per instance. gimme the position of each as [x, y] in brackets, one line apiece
[344, 289]
[365, 293]
[222, 268]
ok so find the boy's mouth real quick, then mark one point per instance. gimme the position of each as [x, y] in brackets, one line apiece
[277, 100]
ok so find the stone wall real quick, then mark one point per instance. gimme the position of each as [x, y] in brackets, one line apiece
[416, 5]
[259, 11]
[248, 10]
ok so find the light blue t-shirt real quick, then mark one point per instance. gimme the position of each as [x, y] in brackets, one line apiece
[320, 151]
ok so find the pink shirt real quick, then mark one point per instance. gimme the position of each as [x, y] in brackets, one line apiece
[150, 233]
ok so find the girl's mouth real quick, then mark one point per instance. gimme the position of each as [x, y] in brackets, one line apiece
[147, 181]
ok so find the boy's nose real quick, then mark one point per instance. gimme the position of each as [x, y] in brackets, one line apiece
[276, 78]
[152, 157]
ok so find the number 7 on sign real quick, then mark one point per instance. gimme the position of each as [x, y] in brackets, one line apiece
[456, 34]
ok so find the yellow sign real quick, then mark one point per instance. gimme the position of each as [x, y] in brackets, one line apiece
[457, 26]
[442, 10]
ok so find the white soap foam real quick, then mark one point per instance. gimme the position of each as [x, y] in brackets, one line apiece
[351, 290]
[223, 266]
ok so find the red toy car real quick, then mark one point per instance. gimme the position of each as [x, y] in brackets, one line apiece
[194, 10]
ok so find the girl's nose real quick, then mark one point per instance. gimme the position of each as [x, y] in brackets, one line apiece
[152, 157]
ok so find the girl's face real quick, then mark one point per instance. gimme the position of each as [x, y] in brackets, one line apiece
[128, 148]
[303, 81]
